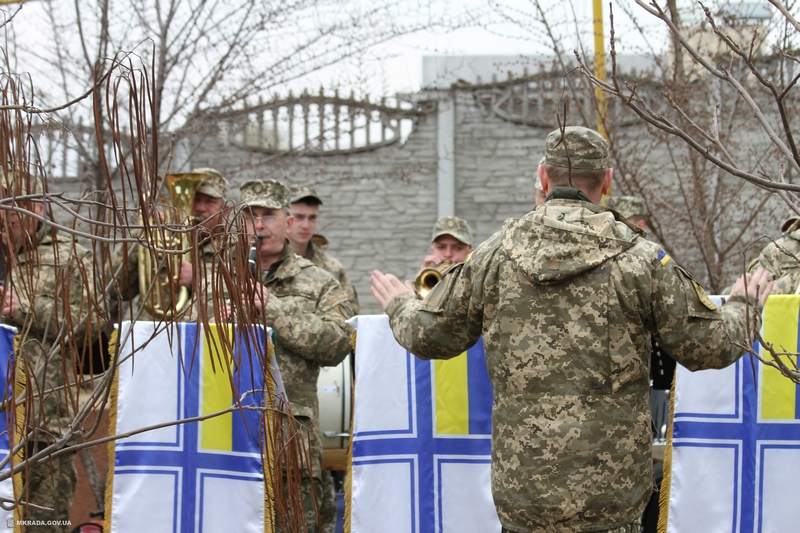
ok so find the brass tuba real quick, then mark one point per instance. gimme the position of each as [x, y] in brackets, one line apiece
[427, 278]
[154, 286]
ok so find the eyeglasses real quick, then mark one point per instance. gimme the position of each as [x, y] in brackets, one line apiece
[266, 220]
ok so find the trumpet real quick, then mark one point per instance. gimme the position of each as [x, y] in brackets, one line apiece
[153, 285]
[427, 278]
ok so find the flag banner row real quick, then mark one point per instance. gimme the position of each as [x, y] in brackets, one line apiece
[189, 477]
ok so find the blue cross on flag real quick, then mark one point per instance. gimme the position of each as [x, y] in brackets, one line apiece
[193, 477]
[733, 464]
[421, 457]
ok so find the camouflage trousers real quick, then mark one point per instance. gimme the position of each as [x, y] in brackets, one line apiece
[51, 484]
[328, 503]
[310, 512]
[632, 528]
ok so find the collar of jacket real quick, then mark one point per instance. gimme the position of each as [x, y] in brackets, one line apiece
[567, 193]
[312, 250]
[571, 193]
[287, 265]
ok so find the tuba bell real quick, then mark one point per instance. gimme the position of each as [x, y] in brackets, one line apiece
[155, 286]
[427, 278]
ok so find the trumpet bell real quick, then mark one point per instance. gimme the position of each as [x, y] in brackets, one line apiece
[427, 278]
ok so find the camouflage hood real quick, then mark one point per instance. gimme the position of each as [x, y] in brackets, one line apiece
[565, 237]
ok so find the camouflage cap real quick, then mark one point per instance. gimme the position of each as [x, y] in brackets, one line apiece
[270, 194]
[789, 222]
[587, 149]
[30, 184]
[304, 191]
[454, 226]
[627, 206]
[214, 185]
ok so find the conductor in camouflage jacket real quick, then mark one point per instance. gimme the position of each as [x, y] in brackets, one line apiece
[567, 299]
[306, 308]
[46, 295]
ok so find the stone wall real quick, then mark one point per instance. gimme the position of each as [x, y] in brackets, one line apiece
[380, 205]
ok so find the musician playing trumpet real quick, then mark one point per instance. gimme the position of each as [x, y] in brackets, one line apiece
[451, 241]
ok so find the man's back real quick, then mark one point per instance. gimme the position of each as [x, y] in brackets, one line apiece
[566, 299]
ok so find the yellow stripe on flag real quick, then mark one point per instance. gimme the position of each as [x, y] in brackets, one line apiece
[778, 393]
[216, 433]
[452, 396]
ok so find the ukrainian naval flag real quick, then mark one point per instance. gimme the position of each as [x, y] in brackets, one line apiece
[188, 477]
[8, 420]
[733, 456]
[421, 446]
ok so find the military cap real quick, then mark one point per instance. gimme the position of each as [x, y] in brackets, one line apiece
[790, 222]
[28, 184]
[214, 184]
[454, 226]
[587, 149]
[304, 191]
[270, 194]
[627, 206]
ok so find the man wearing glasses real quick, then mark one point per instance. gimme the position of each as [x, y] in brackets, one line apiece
[306, 307]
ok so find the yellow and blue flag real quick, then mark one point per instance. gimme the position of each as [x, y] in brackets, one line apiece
[205, 476]
[421, 446]
[733, 457]
[9, 418]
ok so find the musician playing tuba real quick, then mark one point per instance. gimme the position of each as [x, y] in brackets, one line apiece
[451, 242]
[198, 273]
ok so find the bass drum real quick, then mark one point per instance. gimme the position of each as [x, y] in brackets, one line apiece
[334, 395]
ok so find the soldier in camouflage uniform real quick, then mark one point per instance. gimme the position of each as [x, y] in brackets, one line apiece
[775, 259]
[451, 241]
[46, 267]
[209, 211]
[305, 210]
[307, 309]
[566, 299]
[631, 207]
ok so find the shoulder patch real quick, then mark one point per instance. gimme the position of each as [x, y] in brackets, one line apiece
[663, 257]
[469, 256]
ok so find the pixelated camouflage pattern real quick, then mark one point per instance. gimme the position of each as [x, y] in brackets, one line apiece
[202, 292]
[627, 206]
[304, 191]
[454, 226]
[46, 271]
[307, 310]
[214, 185]
[784, 268]
[51, 484]
[310, 511]
[566, 299]
[332, 265]
[269, 194]
[587, 149]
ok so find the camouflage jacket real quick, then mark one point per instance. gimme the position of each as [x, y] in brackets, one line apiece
[566, 299]
[784, 268]
[42, 277]
[330, 264]
[307, 310]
